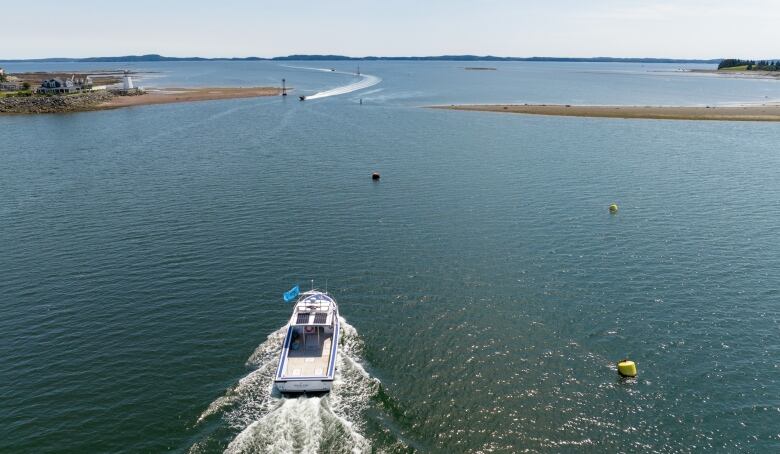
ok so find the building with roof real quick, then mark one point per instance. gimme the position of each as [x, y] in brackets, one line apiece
[64, 86]
[10, 86]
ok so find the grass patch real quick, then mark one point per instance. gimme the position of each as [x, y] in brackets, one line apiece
[15, 94]
[735, 68]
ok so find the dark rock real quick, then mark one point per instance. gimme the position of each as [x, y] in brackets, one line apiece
[53, 104]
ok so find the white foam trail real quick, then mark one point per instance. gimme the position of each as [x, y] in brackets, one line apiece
[270, 422]
[255, 389]
[306, 425]
[367, 80]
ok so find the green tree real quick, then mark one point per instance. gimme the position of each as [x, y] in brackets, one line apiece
[733, 62]
[26, 85]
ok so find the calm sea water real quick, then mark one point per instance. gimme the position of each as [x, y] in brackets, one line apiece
[488, 291]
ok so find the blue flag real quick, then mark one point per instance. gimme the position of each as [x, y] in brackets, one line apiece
[291, 294]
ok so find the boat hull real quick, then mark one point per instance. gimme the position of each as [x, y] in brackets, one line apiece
[304, 386]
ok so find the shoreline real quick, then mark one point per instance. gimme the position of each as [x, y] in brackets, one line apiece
[177, 95]
[99, 77]
[764, 112]
[738, 74]
[95, 100]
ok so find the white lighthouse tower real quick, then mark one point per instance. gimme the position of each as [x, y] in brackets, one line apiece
[127, 81]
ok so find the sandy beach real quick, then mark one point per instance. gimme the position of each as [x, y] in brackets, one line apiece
[753, 74]
[763, 112]
[174, 95]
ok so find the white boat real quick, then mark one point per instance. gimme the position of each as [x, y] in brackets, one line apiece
[308, 359]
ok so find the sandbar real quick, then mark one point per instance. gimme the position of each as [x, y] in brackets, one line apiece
[757, 112]
[175, 95]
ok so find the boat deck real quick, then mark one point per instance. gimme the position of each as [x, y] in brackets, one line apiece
[309, 356]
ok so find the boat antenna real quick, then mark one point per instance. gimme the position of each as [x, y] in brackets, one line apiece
[326, 285]
[312, 284]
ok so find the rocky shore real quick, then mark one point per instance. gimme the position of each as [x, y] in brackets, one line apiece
[36, 104]
[102, 99]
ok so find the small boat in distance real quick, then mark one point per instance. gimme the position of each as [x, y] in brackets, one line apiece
[302, 98]
[308, 359]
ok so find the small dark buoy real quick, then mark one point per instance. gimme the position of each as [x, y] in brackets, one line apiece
[375, 176]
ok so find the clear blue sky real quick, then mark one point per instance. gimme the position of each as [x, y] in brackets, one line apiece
[621, 28]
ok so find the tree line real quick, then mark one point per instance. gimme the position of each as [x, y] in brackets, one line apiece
[760, 65]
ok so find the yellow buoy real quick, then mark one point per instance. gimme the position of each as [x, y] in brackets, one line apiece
[613, 208]
[626, 368]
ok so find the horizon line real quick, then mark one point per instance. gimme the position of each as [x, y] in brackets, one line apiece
[442, 57]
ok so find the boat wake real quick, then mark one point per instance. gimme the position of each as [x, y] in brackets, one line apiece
[267, 421]
[366, 80]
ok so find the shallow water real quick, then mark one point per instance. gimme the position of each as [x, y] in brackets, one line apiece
[145, 250]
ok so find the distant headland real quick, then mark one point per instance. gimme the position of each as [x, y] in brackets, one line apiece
[755, 69]
[57, 92]
[736, 64]
[305, 57]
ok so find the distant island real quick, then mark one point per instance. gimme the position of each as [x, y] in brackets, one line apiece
[735, 64]
[160, 58]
